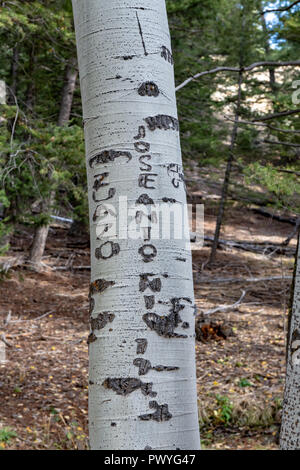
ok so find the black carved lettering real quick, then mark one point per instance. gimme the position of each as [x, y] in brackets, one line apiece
[166, 325]
[162, 122]
[108, 156]
[146, 283]
[98, 183]
[146, 167]
[107, 250]
[149, 301]
[141, 133]
[142, 147]
[101, 320]
[145, 179]
[111, 194]
[148, 253]
[142, 344]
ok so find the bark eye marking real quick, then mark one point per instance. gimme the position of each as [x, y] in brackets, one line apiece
[168, 199]
[99, 286]
[128, 385]
[148, 89]
[92, 304]
[144, 366]
[92, 338]
[145, 200]
[295, 348]
[161, 414]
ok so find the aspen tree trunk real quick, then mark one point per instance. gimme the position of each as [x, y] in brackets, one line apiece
[142, 347]
[68, 93]
[290, 429]
[272, 76]
[41, 233]
[226, 181]
[14, 76]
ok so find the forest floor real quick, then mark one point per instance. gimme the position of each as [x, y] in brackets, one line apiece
[44, 385]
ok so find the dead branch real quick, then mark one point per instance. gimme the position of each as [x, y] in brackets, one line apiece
[224, 308]
[262, 248]
[33, 319]
[251, 123]
[73, 268]
[281, 170]
[278, 142]
[269, 63]
[277, 115]
[4, 340]
[224, 280]
[280, 218]
[281, 9]
[292, 234]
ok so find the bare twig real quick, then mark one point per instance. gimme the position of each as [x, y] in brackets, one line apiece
[223, 308]
[292, 234]
[281, 9]
[269, 63]
[277, 115]
[4, 340]
[34, 319]
[278, 142]
[251, 123]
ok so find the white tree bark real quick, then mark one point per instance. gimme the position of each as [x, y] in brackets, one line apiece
[142, 346]
[290, 430]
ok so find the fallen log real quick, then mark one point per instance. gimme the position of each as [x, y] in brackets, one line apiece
[271, 215]
[205, 280]
[264, 248]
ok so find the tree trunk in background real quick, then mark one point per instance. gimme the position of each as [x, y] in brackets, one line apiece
[31, 85]
[41, 233]
[38, 245]
[40, 238]
[267, 51]
[68, 93]
[142, 364]
[290, 429]
[226, 182]
[12, 92]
